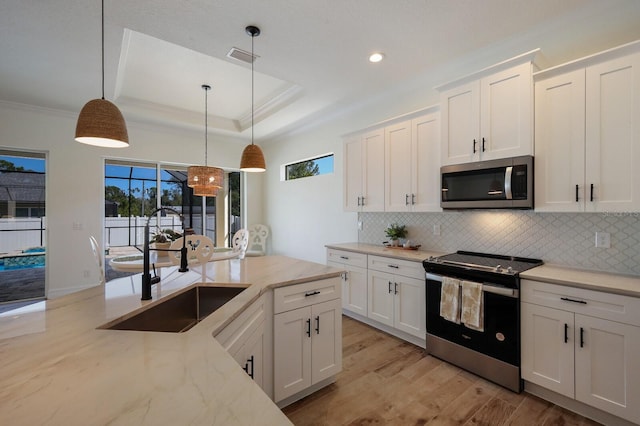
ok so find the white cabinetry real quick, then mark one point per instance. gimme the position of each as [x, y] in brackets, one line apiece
[412, 164]
[354, 280]
[364, 172]
[307, 336]
[587, 135]
[583, 344]
[396, 293]
[489, 115]
[248, 339]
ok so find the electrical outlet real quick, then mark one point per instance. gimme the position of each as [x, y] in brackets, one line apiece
[603, 240]
[436, 229]
[86, 273]
[359, 225]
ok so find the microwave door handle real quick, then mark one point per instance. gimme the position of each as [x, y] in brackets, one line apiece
[507, 183]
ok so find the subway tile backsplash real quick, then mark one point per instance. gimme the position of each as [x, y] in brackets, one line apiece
[566, 239]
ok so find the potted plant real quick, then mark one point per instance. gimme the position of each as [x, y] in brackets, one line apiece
[395, 232]
[162, 239]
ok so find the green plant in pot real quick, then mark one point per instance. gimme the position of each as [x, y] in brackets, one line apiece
[395, 232]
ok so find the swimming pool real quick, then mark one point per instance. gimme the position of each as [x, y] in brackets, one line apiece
[30, 258]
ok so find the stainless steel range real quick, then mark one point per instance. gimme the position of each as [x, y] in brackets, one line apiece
[491, 350]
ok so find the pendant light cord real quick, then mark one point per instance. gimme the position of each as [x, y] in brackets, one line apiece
[103, 49]
[253, 58]
[206, 122]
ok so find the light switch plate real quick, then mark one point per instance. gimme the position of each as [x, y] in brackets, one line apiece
[603, 240]
[436, 229]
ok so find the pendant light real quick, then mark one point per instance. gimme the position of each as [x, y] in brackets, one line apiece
[252, 158]
[205, 180]
[100, 122]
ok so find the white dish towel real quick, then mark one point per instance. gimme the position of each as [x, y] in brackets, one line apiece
[450, 299]
[472, 315]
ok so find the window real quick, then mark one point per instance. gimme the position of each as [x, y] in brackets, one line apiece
[310, 167]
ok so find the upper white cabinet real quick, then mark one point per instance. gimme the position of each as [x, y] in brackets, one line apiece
[489, 115]
[588, 135]
[364, 172]
[412, 164]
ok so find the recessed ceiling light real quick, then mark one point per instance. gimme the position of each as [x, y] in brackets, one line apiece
[376, 57]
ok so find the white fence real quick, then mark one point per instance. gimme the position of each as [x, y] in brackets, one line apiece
[17, 234]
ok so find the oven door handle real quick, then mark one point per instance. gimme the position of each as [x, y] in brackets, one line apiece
[488, 288]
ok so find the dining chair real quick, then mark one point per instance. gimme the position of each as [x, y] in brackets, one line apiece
[240, 242]
[258, 235]
[97, 254]
[199, 249]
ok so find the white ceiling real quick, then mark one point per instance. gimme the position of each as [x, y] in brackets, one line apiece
[312, 53]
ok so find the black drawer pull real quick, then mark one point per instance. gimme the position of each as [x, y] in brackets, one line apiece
[566, 332]
[313, 293]
[566, 299]
[344, 257]
[394, 266]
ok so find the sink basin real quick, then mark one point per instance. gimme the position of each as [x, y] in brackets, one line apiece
[178, 313]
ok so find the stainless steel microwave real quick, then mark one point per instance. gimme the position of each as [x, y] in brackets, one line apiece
[495, 184]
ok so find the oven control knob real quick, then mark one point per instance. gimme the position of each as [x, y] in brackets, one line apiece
[510, 270]
[499, 268]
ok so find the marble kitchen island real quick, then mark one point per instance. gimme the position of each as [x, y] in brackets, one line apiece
[59, 369]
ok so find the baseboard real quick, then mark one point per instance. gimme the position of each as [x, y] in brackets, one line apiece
[575, 406]
[389, 330]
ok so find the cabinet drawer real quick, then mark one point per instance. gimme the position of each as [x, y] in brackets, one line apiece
[614, 307]
[405, 268]
[306, 294]
[347, 258]
[233, 336]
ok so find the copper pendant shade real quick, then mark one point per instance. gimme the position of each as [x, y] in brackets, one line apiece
[205, 180]
[100, 122]
[252, 157]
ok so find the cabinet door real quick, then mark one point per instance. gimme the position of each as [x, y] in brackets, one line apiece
[356, 291]
[607, 366]
[251, 356]
[381, 297]
[353, 174]
[326, 352]
[559, 147]
[373, 168]
[425, 163]
[460, 124]
[547, 356]
[397, 141]
[410, 306]
[613, 135]
[292, 352]
[506, 113]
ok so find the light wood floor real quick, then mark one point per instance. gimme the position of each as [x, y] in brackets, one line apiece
[388, 381]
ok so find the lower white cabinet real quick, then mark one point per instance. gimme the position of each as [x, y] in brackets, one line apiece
[307, 336]
[584, 345]
[248, 339]
[354, 280]
[397, 298]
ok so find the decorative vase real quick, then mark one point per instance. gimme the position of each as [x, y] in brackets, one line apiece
[395, 243]
[164, 246]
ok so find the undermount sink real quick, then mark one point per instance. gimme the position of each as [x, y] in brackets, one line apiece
[178, 313]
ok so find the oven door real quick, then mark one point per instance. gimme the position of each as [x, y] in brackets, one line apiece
[501, 336]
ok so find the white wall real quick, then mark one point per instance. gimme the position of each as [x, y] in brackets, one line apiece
[75, 179]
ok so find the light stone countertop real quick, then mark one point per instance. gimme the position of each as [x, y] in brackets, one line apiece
[58, 369]
[592, 280]
[600, 281]
[412, 255]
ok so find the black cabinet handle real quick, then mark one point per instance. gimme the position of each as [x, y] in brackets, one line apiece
[344, 257]
[313, 293]
[581, 337]
[389, 287]
[362, 201]
[309, 327]
[566, 332]
[358, 200]
[394, 266]
[482, 144]
[592, 193]
[318, 324]
[406, 199]
[396, 288]
[474, 146]
[246, 367]
[413, 199]
[577, 193]
[566, 299]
